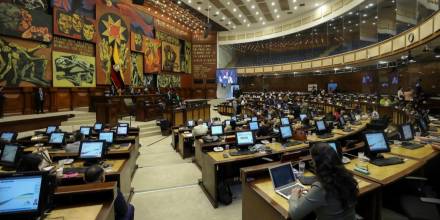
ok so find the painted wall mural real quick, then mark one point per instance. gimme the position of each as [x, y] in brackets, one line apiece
[137, 67]
[153, 55]
[75, 19]
[24, 63]
[32, 4]
[112, 45]
[20, 22]
[186, 57]
[170, 52]
[168, 81]
[72, 70]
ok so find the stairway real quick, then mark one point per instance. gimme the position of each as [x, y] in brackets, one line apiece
[146, 129]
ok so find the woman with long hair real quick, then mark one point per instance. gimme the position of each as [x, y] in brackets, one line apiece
[333, 196]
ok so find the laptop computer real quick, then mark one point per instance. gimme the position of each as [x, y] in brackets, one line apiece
[283, 179]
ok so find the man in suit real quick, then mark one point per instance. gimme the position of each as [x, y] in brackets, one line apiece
[39, 100]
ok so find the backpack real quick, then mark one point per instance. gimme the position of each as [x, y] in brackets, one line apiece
[224, 193]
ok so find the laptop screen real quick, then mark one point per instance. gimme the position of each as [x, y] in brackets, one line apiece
[253, 126]
[56, 138]
[254, 118]
[407, 132]
[216, 130]
[333, 146]
[7, 136]
[91, 150]
[244, 138]
[106, 136]
[50, 129]
[286, 132]
[85, 131]
[122, 130]
[376, 142]
[98, 126]
[22, 193]
[9, 153]
[320, 125]
[282, 175]
[285, 121]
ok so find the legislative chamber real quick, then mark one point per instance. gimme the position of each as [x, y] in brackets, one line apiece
[220, 109]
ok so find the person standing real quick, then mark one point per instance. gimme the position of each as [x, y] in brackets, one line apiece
[400, 94]
[39, 100]
[2, 100]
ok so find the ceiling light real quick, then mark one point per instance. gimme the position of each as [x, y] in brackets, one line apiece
[233, 27]
[261, 18]
[371, 4]
[350, 13]
[223, 17]
[239, 15]
[257, 13]
[275, 10]
[248, 25]
[278, 16]
[217, 12]
[264, 23]
[316, 4]
[244, 21]
[198, 8]
[228, 3]
[189, 1]
[273, 4]
[178, 2]
[296, 7]
[252, 6]
[234, 10]
[365, 15]
[229, 22]
[294, 1]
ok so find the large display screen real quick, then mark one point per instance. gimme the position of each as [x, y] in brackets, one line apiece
[20, 194]
[332, 86]
[226, 76]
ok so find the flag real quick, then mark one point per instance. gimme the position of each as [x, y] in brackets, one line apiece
[116, 74]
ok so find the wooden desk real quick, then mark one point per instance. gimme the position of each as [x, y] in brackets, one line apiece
[185, 147]
[179, 116]
[424, 153]
[119, 172]
[260, 201]
[97, 211]
[386, 174]
[216, 168]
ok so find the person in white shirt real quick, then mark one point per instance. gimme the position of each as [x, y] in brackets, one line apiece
[200, 129]
[400, 94]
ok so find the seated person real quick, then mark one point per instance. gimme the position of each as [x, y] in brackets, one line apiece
[265, 129]
[30, 162]
[333, 196]
[216, 121]
[200, 129]
[337, 114]
[95, 174]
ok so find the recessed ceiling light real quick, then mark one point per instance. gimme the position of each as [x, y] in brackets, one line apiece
[239, 15]
[264, 23]
[278, 16]
[198, 8]
[229, 22]
[217, 12]
[261, 18]
[294, 1]
[275, 10]
[223, 17]
[257, 13]
[350, 13]
[252, 6]
[248, 25]
[296, 7]
[244, 21]
[228, 3]
[316, 4]
[273, 3]
[233, 26]
[189, 1]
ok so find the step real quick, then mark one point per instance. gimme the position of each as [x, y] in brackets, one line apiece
[149, 134]
[81, 118]
[79, 122]
[146, 129]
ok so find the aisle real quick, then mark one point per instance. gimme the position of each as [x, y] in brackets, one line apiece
[166, 186]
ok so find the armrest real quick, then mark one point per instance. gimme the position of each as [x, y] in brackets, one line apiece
[430, 200]
[419, 178]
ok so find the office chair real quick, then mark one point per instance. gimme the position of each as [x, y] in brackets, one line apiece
[130, 106]
[424, 204]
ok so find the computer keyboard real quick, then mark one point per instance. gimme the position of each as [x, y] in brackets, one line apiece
[74, 170]
[387, 161]
[326, 135]
[241, 152]
[412, 146]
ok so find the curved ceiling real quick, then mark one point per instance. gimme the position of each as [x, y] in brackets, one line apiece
[244, 15]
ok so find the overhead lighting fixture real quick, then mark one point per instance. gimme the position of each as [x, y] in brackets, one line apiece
[252, 6]
[264, 23]
[239, 15]
[278, 16]
[248, 25]
[296, 7]
[273, 4]
[261, 18]
[234, 10]
[275, 10]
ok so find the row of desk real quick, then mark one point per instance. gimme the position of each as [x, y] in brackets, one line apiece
[261, 202]
[120, 160]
